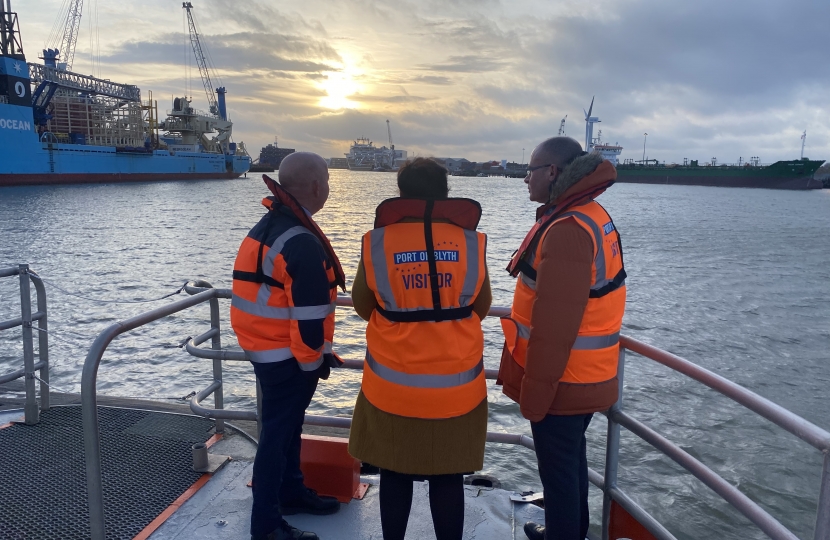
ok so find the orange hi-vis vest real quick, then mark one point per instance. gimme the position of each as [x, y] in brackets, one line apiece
[425, 346]
[594, 355]
[264, 313]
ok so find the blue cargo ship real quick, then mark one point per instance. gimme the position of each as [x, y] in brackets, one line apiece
[58, 127]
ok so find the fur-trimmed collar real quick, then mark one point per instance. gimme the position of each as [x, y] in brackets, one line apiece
[573, 173]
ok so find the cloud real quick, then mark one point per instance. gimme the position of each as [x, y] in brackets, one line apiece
[488, 78]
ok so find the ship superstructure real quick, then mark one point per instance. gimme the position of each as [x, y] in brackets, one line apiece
[58, 126]
[365, 156]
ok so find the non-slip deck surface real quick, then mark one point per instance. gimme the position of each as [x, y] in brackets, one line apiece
[146, 462]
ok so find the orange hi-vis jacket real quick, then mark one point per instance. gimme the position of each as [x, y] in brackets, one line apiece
[425, 346]
[278, 316]
[594, 355]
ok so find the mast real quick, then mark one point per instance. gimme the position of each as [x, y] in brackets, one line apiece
[10, 43]
[803, 142]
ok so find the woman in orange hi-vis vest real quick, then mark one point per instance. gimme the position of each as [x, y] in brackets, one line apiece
[421, 413]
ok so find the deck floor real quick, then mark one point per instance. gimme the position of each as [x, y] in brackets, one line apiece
[222, 509]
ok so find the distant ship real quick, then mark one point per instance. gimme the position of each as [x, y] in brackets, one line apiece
[270, 157]
[57, 126]
[793, 174]
[362, 154]
[365, 156]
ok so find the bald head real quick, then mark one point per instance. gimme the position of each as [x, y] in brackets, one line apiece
[557, 151]
[306, 176]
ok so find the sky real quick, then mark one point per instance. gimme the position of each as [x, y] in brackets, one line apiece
[481, 79]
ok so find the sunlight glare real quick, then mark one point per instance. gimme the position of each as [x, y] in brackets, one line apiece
[339, 85]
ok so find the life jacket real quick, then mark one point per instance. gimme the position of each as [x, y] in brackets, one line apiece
[424, 356]
[263, 313]
[594, 355]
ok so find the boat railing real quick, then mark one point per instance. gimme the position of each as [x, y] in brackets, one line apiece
[30, 367]
[613, 495]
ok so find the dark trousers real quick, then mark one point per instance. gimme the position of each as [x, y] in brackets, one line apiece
[286, 392]
[446, 503]
[563, 468]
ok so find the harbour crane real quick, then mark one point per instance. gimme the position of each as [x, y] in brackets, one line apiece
[217, 106]
[562, 126]
[69, 39]
[70, 32]
[389, 132]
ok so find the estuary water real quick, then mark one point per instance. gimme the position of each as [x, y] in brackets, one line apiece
[735, 280]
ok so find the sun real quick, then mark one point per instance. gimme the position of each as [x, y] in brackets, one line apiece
[339, 85]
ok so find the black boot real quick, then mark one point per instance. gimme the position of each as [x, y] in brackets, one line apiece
[287, 532]
[310, 503]
[534, 531]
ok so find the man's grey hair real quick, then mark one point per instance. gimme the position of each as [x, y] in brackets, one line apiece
[559, 151]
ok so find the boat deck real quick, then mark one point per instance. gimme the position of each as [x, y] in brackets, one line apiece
[213, 506]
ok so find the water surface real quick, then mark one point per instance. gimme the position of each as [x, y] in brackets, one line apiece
[735, 280]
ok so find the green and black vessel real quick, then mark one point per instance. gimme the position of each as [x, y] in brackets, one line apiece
[795, 174]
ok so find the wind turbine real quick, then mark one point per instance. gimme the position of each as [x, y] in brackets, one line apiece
[589, 127]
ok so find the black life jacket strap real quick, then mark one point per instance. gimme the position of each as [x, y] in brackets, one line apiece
[433, 266]
[254, 277]
[609, 287]
[524, 267]
[427, 315]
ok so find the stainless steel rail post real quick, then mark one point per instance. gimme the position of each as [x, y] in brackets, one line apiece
[823, 514]
[89, 402]
[43, 342]
[612, 452]
[216, 344]
[31, 409]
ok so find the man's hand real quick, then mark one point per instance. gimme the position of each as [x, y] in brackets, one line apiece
[536, 398]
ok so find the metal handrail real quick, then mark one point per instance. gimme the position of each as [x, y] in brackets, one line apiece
[27, 373]
[783, 418]
[202, 291]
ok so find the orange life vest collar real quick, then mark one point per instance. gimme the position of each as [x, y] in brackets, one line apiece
[545, 216]
[465, 213]
[284, 198]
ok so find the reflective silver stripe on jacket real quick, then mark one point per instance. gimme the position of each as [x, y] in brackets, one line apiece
[528, 281]
[376, 240]
[424, 381]
[582, 343]
[280, 355]
[384, 288]
[264, 292]
[270, 356]
[295, 313]
[601, 279]
[468, 291]
[592, 343]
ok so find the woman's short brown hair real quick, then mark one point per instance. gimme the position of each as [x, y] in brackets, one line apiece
[423, 178]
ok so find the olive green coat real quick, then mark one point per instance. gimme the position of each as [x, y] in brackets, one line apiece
[417, 445]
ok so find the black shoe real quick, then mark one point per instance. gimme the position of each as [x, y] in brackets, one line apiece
[287, 532]
[310, 503]
[534, 531]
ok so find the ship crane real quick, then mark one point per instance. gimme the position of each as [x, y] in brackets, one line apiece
[217, 107]
[562, 126]
[66, 44]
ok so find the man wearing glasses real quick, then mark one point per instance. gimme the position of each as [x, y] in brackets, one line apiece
[562, 337]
